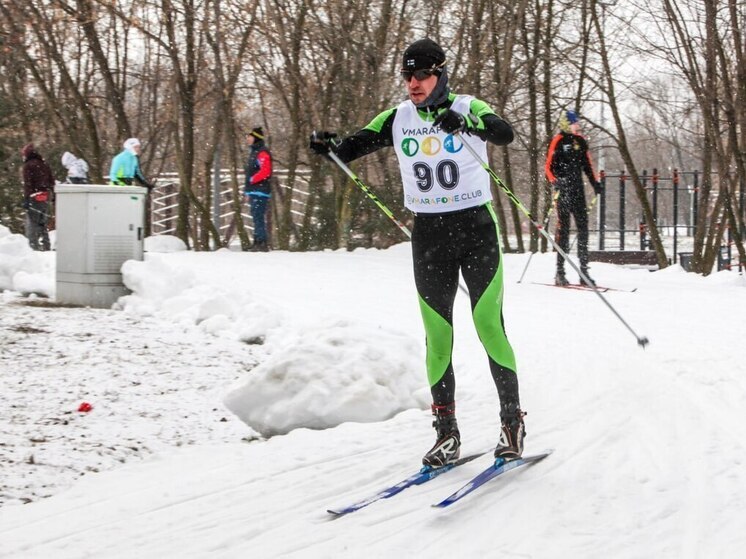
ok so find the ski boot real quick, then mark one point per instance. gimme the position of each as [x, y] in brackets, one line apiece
[512, 432]
[587, 274]
[259, 246]
[560, 279]
[447, 446]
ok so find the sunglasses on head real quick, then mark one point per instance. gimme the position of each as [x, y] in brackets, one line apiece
[420, 75]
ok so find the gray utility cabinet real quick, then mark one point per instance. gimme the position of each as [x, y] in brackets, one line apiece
[99, 227]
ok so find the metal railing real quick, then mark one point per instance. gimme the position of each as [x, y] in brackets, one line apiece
[165, 201]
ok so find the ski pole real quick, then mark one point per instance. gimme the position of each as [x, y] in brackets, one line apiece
[590, 207]
[642, 341]
[38, 212]
[546, 224]
[370, 194]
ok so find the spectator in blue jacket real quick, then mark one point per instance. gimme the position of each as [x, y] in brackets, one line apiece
[125, 167]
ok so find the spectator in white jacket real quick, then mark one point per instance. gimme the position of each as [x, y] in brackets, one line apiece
[77, 169]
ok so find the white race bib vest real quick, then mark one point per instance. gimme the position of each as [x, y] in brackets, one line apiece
[438, 173]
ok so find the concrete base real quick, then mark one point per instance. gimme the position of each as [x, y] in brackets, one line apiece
[100, 296]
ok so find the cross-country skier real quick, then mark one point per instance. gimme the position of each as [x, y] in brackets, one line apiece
[567, 158]
[455, 229]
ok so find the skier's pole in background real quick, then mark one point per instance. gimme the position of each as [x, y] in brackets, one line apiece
[546, 224]
[642, 341]
[590, 207]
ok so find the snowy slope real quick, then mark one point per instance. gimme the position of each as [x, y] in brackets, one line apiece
[649, 445]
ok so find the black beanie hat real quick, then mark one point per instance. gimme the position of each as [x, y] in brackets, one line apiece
[257, 132]
[422, 55]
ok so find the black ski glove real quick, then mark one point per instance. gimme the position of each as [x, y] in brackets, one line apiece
[26, 203]
[450, 122]
[320, 141]
[597, 188]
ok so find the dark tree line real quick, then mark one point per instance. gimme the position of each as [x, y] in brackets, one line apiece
[190, 78]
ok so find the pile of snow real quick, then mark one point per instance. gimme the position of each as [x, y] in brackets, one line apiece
[164, 243]
[314, 376]
[337, 372]
[172, 292]
[23, 270]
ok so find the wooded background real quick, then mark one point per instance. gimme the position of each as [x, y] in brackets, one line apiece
[659, 83]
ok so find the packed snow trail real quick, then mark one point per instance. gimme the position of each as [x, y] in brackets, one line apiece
[649, 445]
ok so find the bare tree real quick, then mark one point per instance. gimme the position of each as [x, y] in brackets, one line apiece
[189, 76]
[608, 85]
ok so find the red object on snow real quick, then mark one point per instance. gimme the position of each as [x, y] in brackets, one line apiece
[85, 407]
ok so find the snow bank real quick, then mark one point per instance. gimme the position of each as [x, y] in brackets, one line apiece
[337, 372]
[22, 269]
[315, 376]
[164, 243]
[175, 293]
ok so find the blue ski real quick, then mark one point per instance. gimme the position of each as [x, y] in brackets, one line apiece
[499, 467]
[424, 475]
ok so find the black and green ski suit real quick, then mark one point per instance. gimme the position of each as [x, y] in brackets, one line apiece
[443, 244]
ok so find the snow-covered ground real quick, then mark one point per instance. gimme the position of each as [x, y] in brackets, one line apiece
[649, 461]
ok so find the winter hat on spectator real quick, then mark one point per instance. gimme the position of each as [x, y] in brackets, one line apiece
[76, 168]
[423, 55]
[566, 119]
[131, 143]
[27, 150]
[257, 132]
[68, 159]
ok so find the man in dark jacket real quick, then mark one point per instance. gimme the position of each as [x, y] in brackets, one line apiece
[568, 158]
[38, 183]
[257, 187]
[455, 230]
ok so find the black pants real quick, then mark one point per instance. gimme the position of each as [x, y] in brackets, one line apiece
[572, 203]
[37, 217]
[443, 245]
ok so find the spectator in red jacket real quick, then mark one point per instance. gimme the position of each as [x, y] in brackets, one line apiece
[38, 183]
[257, 187]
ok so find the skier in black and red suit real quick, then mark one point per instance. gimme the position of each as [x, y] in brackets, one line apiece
[568, 156]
